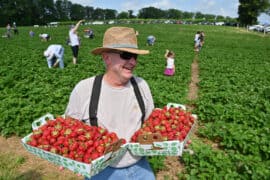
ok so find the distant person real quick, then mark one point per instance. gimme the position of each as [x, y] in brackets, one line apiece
[170, 67]
[151, 40]
[8, 33]
[45, 37]
[89, 33]
[197, 41]
[201, 38]
[55, 55]
[31, 33]
[15, 29]
[75, 41]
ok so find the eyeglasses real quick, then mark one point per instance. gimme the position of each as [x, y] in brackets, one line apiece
[126, 55]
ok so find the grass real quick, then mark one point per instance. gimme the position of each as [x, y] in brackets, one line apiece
[9, 165]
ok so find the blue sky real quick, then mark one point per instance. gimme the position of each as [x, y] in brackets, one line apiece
[217, 7]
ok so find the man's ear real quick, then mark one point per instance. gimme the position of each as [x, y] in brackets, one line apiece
[106, 58]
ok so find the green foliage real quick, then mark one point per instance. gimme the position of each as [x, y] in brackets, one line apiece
[233, 104]
[207, 163]
[156, 162]
[8, 165]
[29, 89]
[248, 11]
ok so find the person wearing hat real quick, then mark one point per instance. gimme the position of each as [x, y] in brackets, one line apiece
[118, 109]
[75, 40]
[54, 55]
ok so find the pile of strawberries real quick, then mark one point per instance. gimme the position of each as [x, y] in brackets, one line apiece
[171, 123]
[73, 139]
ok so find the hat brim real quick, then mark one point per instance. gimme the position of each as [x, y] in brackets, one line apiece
[100, 50]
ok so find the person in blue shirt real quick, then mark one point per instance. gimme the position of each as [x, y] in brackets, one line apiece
[55, 55]
[151, 40]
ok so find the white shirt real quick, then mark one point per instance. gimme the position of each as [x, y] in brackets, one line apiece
[118, 109]
[55, 50]
[74, 38]
[44, 35]
[196, 37]
[170, 63]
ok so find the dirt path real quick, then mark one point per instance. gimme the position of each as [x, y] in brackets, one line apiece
[173, 165]
[36, 168]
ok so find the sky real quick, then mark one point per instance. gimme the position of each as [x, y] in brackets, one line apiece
[216, 7]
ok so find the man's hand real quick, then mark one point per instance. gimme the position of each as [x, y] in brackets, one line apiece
[56, 63]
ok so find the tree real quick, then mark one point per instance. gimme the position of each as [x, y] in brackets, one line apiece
[130, 14]
[63, 8]
[98, 14]
[199, 15]
[188, 15]
[174, 14]
[89, 11]
[151, 13]
[248, 11]
[123, 15]
[77, 12]
[110, 14]
[209, 17]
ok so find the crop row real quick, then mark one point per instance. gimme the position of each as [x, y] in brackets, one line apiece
[233, 104]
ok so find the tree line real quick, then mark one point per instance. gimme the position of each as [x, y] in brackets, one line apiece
[30, 12]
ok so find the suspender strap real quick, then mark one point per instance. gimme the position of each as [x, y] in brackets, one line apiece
[95, 97]
[94, 100]
[139, 97]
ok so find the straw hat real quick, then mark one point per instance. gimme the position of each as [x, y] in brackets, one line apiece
[121, 39]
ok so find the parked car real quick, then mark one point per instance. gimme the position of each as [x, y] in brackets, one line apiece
[266, 29]
[219, 23]
[256, 28]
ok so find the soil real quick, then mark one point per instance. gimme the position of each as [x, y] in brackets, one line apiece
[35, 168]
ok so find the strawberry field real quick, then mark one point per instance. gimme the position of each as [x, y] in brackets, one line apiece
[233, 104]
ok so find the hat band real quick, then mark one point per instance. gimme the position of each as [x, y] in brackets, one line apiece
[122, 46]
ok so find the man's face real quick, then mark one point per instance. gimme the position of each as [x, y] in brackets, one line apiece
[121, 66]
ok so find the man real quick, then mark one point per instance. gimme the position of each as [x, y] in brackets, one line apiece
[118, 109]
[55, 55]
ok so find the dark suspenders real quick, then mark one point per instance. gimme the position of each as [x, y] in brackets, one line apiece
[138, 97]
[95, 98]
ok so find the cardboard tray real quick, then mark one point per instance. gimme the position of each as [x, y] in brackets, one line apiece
[166, 148]
[84, 169]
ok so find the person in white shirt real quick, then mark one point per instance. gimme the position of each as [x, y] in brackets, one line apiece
[170, 67]
[117, 108]
[55, 55]
[75, 41]
[197, 41]
[44, 37]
